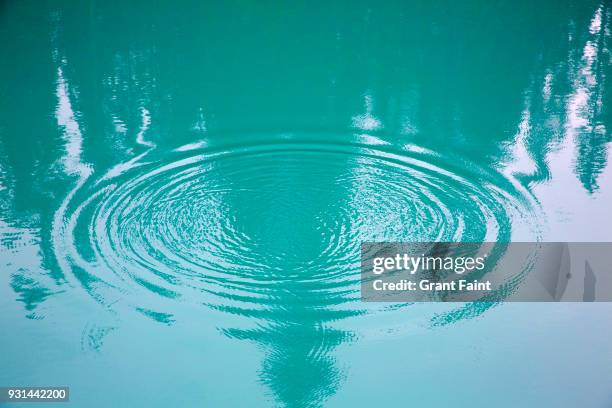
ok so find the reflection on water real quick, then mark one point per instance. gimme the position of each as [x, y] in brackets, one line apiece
[147, 167]
[271, 232]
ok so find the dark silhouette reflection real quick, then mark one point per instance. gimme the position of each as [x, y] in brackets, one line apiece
[299, 366]
[95, 92]
[593, 135]
[564, 102]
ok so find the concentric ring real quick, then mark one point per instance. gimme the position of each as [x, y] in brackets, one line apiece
[269, 226]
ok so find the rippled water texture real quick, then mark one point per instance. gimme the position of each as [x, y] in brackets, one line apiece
[184, 189]
[271, 223]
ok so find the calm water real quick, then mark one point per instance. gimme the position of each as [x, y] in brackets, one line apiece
[184, 188]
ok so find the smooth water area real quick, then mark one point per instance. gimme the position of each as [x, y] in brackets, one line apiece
[184, 188]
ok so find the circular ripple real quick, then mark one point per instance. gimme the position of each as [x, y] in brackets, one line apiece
[271, 227]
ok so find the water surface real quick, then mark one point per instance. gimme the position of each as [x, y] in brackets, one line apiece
[184, 188]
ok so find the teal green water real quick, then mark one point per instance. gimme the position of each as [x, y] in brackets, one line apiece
[184, 188]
